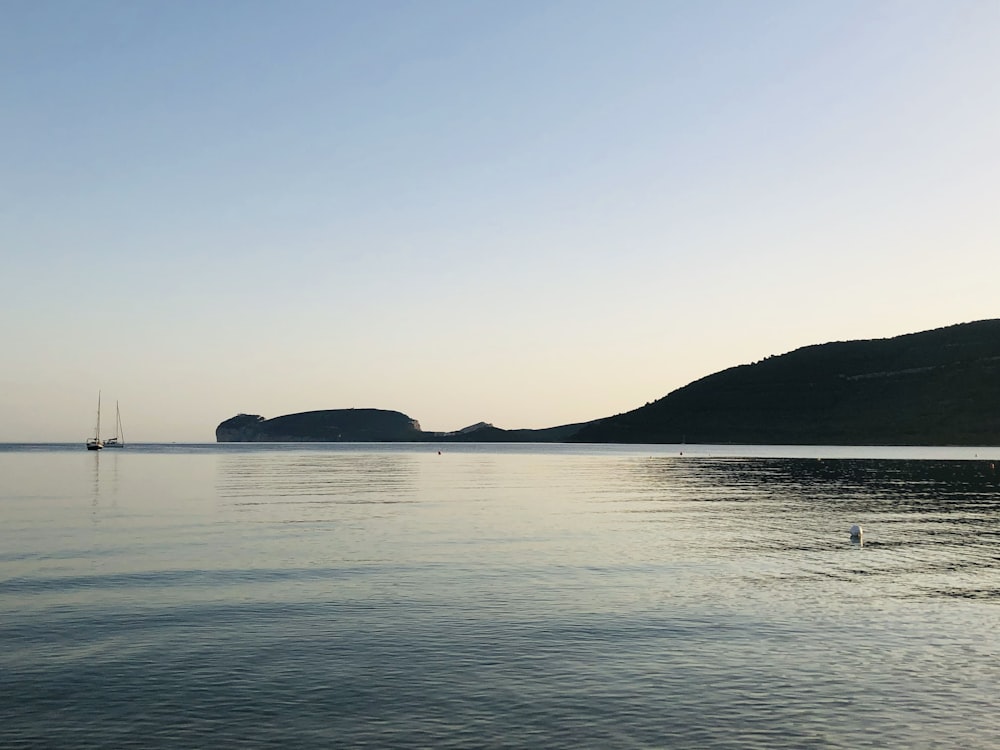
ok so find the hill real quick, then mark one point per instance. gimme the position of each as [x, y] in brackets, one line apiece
[326, 426]
[939, 387]
[487, 433]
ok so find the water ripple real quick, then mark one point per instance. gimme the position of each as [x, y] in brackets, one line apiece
[327, 597]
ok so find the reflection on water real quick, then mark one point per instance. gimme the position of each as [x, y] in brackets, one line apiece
[277, 478]
[105, 481]
[585, 597]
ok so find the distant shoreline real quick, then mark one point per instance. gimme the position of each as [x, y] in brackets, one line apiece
[985, 454]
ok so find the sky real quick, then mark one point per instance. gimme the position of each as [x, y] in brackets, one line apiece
[524, 212]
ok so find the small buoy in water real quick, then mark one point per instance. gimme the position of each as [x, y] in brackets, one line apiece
[856, 533]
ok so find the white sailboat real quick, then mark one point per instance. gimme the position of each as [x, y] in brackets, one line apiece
[95, 443]
[118, 441]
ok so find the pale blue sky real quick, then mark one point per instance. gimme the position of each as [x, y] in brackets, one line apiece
[528, 213]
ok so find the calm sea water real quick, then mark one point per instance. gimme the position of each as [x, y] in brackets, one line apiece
[352, 596]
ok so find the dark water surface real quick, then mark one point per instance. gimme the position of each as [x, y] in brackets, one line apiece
[509, 597]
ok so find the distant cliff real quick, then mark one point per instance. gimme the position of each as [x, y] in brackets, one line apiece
[939, 387]
[327, 426]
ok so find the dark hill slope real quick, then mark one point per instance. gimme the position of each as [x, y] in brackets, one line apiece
[939, 387]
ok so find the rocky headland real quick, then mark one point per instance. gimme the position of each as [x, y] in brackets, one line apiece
[326, 426]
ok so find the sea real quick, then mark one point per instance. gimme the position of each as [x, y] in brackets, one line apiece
[499, 596]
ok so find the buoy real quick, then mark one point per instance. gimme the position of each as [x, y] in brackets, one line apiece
[856, 532]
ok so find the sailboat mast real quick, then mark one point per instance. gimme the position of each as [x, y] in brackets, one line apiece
[119, 432]
[95, 443]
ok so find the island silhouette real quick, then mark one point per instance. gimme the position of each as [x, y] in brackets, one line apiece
[936, 387]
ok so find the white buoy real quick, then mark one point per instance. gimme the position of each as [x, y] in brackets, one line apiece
[856, 533]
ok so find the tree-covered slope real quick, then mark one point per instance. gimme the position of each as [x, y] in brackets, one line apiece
[939, 387]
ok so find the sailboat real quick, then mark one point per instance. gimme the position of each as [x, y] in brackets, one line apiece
[95, 443]
[118, 441]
